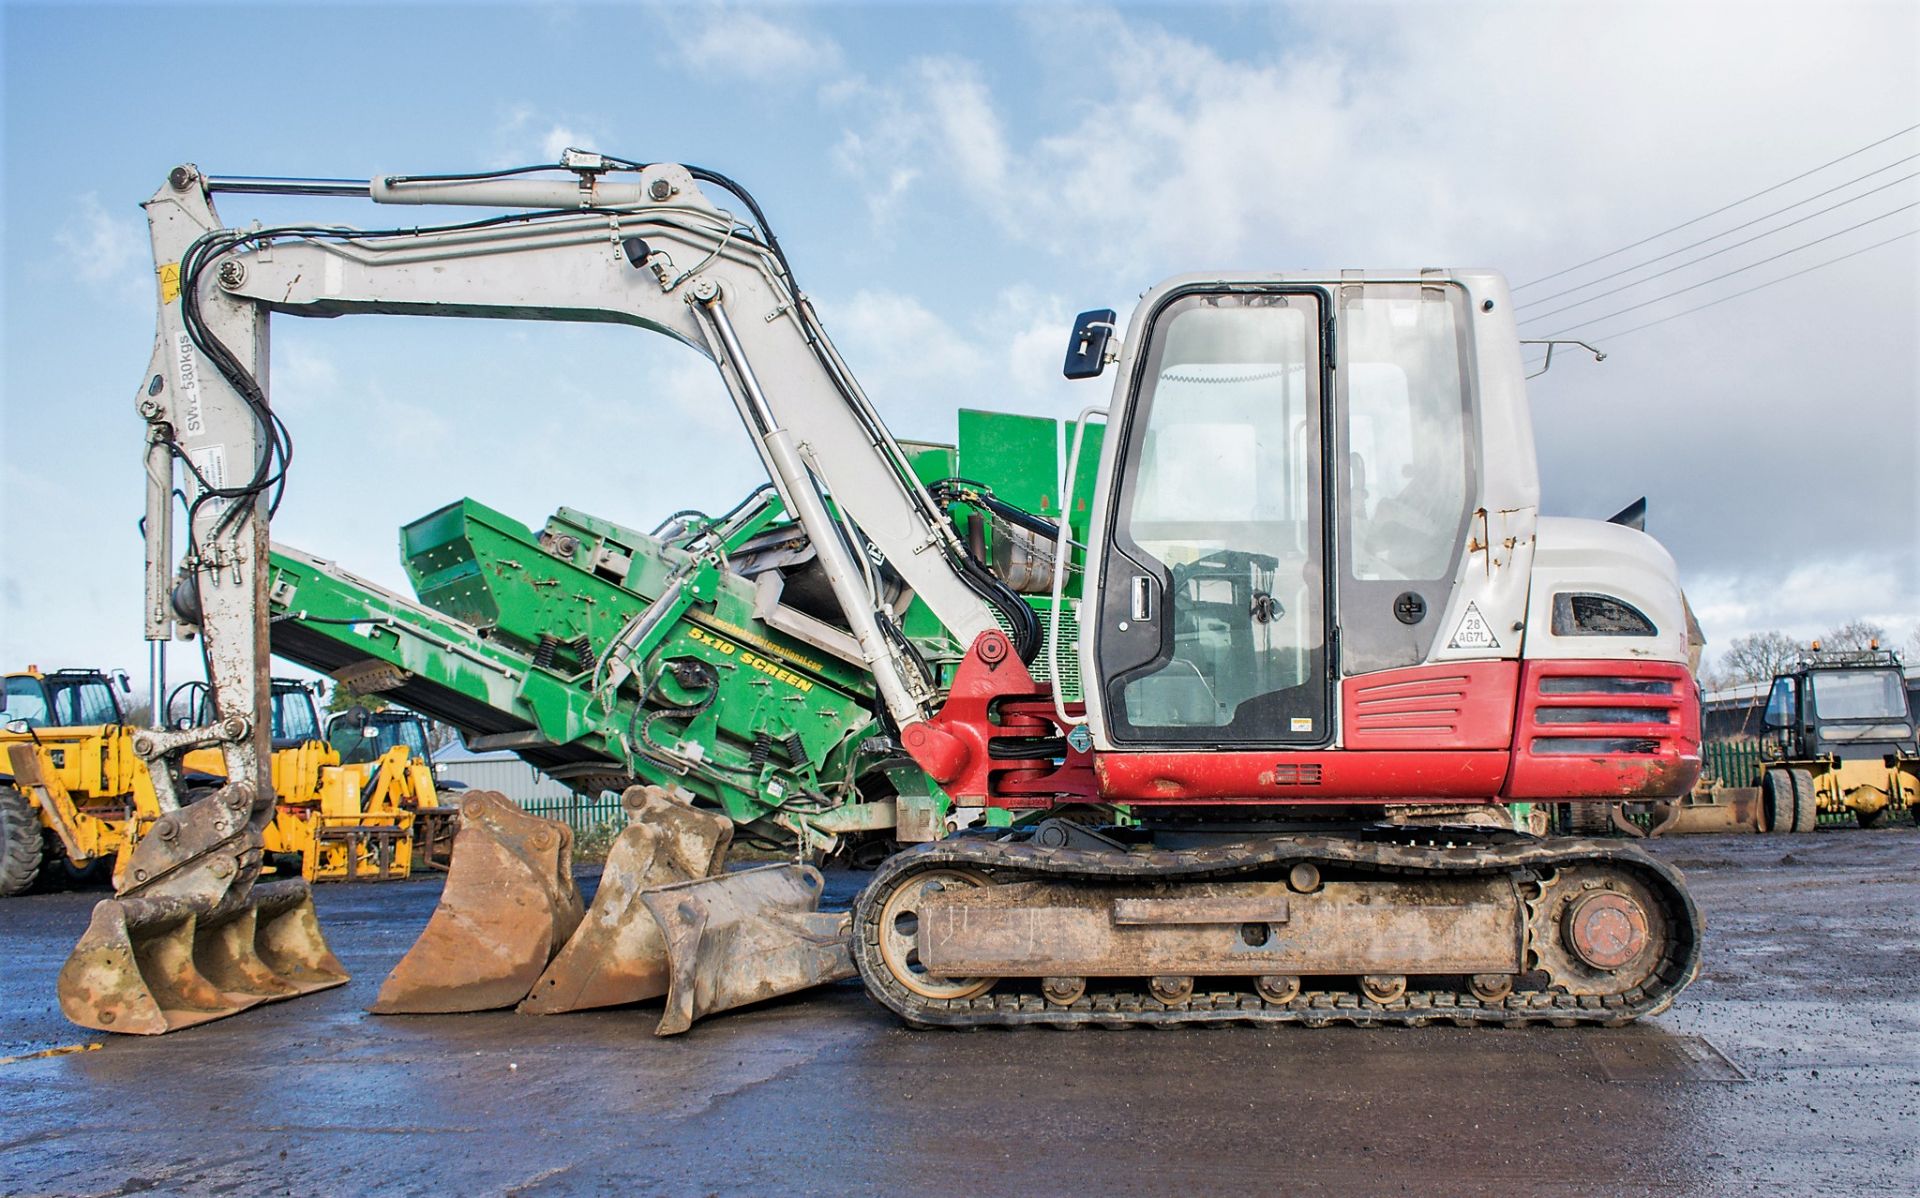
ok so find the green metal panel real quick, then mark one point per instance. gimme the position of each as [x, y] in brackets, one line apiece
[777, 735]
[1017, 457]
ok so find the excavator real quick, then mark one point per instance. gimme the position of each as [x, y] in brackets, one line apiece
[1325, 634]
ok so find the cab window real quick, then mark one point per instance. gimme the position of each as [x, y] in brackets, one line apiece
[1859, 695]
[1780, 704]
[25, 700]
[1407, 466]
[293, 717]
[82, 703]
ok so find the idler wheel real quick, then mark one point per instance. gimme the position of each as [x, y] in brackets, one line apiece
[900, 936]
[1606, 929]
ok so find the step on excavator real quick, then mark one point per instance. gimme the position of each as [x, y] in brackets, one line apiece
[1325, 632]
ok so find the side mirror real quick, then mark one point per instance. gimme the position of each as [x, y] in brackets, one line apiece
[125, 683]
[1087, 348]
[370, 733]
[19, 727]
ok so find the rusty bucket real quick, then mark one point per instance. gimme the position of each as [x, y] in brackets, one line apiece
[746, 937]
[192, 936]
[508, 905]
[1707, 810]
[619, 955]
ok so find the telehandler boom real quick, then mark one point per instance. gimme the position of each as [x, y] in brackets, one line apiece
[1324, 625]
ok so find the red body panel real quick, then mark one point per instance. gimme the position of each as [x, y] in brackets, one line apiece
[1338, 776]
[1572, 711]
[1457, 705]
[1442, 733]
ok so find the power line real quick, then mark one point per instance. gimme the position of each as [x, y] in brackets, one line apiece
[1609, 337]
[1737, 270]
[1716, 253]
[1717, 211]
[1743, 225]
[1761, 286]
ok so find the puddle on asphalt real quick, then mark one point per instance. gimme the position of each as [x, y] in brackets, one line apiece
[1661, 1059]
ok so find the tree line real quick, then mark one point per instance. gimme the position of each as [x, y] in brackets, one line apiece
[1758, 656]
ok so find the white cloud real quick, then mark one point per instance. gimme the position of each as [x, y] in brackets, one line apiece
[1807, 599]
[920, 366]
[105, 251]
[526, 135]
[303, 379]
[730, 40]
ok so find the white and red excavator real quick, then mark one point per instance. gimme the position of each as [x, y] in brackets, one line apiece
[1326, 634]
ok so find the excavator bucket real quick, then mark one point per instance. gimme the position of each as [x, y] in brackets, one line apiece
[745, 937]
[619, 955]
[508, 905]
[1716, 809]
[149, 965]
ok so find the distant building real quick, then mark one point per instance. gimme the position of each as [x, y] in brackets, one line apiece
[498, 771]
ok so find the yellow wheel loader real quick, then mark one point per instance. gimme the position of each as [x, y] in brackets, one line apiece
[1841, 739]
[76, 795]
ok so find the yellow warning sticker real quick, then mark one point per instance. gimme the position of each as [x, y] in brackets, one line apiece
[169, 282]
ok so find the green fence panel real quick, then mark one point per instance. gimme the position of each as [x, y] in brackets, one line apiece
[585, 815]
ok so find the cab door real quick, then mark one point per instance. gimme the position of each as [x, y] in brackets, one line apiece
[1213, 600]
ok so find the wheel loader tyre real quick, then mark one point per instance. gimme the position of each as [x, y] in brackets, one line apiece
[1806, 801]
[20, 847]
[1778, 788]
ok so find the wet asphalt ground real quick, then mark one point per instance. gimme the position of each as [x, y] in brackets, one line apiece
[1791, 1067]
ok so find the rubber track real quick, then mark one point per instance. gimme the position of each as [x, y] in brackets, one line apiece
[1313, 1008]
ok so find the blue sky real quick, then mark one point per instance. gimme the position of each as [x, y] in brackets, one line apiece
[953, 183]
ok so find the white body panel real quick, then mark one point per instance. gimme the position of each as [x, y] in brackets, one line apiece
[1594, 557]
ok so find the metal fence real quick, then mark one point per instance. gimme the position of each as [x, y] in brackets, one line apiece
[1734, 762]
[1738, 763]
[584, 815]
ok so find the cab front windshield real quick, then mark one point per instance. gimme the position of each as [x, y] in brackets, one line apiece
[25, 699]
[293, 717]
[349, 738]
[1859, 695]
[73, 701]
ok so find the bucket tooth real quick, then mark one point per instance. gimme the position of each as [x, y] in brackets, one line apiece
[194, 937]
[619, 955]
[508, 905]
[745, 937]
